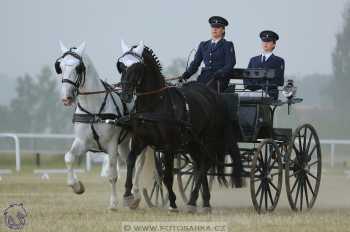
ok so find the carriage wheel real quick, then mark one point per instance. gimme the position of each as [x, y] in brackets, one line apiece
[158, 196]
[185, 177]
[266, 176]
[303, 168]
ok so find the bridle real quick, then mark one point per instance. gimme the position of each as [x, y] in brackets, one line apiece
[122, 69]
[80, 70]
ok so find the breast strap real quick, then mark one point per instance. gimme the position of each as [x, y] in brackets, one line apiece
[92, 118]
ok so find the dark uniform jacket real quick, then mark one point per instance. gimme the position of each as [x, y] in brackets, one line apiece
[219, 61]
[273, 62]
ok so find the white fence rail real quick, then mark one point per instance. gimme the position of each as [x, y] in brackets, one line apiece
[17, 147]
[332, 143]
[16, 139]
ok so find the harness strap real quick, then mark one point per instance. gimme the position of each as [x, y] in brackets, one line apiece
[109, 90]
[95, 118]
[96, 136]
[187, 106]
[159, 117]
[152, 92]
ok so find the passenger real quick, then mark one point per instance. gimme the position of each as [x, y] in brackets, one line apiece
[218, 56]
[267, 60]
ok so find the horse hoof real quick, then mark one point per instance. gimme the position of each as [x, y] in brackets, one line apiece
[127, 201]
[206, 210]
[191, 209]
[173, 210]
[112, 208]
[131, 202]
[78, 187]
[135, 204]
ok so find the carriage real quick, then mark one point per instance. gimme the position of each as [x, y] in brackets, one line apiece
[266, 151]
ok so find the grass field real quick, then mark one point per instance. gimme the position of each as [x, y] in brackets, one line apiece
[52, 206]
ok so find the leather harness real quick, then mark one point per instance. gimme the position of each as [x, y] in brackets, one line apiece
[91, 118]
[88, 117]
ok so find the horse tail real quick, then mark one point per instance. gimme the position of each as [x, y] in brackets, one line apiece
[231, 146]
[237, 169]
[219, 168]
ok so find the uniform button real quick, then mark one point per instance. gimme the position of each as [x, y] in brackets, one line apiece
[210, 54]
[209, 61]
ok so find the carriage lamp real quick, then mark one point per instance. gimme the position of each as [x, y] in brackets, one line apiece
[289, 90]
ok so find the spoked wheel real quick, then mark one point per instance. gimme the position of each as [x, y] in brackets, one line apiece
[185, 176]
[158, 196]
[266, 176]
[303, 168]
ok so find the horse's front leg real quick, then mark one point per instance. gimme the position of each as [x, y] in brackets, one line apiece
[169, 180]
[124, 150]
[113, 173]
[140, 161]
[78, 148]
[136, 149]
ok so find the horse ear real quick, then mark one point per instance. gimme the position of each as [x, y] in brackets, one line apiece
[124, 46]
[81, 48]
[63, 48]
[139, 48]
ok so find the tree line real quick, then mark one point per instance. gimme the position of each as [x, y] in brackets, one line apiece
[37, 108]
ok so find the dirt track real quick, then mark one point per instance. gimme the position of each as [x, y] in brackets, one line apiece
[53, 207]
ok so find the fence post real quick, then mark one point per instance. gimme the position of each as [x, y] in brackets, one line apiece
[332, 154]
[18, 152]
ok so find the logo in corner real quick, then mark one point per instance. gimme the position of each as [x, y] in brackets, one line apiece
[15, 216]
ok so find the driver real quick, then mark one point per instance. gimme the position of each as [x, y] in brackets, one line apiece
[218, 56]
[267, 60]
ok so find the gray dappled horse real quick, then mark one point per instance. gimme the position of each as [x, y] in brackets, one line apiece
[95, 100]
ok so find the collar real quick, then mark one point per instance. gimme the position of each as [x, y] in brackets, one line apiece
[267, 55]
[216, 40]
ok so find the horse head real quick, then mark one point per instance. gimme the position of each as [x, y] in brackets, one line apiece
[71, 68]
[131, 66]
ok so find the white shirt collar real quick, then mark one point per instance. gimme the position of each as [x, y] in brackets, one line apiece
[216, 40]
[266, 54]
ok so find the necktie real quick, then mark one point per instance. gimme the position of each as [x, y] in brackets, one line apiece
[213, 45]
[263, 59]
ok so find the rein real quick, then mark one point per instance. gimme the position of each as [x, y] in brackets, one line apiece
[152, 92]
[114, 90]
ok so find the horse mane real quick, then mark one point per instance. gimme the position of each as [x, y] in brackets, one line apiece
[150, 58]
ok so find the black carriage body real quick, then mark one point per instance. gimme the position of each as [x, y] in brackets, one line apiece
[265, 151]
[253, 116]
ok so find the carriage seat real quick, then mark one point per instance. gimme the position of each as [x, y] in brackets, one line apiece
[255, 100]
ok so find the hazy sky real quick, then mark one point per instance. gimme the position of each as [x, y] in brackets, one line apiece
[30, 30]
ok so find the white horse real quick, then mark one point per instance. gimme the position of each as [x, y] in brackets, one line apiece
[94, 100]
